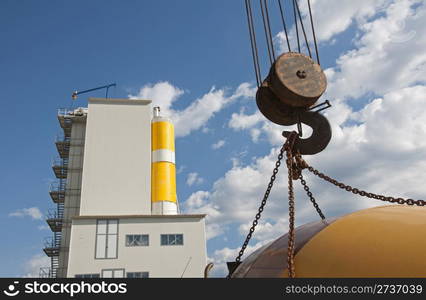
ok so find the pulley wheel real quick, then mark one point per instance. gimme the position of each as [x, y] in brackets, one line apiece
[297, 80]
[272, 108]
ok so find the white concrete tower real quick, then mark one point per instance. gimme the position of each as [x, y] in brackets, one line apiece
[126, 223]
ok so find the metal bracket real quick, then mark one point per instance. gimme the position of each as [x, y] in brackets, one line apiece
[322, 106]
[232, 266]
[326, 103]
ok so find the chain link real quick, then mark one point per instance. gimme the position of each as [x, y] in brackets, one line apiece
[362, 193]
[263, 203]
[287, 147]
[291, 209]
[311, 197]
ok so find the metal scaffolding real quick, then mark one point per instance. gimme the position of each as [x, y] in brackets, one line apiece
[55, 217]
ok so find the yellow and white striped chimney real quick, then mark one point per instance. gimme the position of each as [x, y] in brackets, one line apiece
[163, 170]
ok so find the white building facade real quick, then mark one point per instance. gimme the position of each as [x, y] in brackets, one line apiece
[106, 226]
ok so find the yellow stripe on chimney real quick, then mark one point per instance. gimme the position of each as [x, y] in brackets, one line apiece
[163, 135]
[164, 175]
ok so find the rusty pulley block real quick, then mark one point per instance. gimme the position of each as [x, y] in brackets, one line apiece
[287, 95]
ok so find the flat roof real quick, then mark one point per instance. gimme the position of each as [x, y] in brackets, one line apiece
[126, 101]
[198, 216]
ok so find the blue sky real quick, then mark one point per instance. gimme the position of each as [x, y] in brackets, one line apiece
[51, 48]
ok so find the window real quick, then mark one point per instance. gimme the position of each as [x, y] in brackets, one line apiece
[171, 239]
[106, 238]
[137, 275]
[133, 240]
[113, 273]
[86, 275]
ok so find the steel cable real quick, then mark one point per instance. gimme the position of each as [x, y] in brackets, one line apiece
[253, 43]
[265, 27]
[303, 28]
[313, 31]
[295, 24]
[269, 29]
[284, 25]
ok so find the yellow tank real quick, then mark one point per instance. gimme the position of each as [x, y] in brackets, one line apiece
[385, 241]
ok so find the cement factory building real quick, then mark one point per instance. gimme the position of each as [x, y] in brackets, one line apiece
[117, 214]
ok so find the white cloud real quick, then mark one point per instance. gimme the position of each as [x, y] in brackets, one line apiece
[197, 199]
[180, 169]
[33, 212]
[194, 179]
[213, 230]
[330, 19]
[333, 17]
[162, 94]
[265, 230]
[242, 121]
[205, 130]
[197, 114]
[255, 134]
[33, 265]
[245, 90]
[218, 145]
[380, 64]
[197, 204]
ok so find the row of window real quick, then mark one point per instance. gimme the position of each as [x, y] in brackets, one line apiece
[114, 273]
[133, 240]
[107, 239]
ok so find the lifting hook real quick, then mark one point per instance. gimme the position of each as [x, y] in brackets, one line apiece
[321, 133]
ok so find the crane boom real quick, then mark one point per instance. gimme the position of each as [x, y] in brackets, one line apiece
[76, 93]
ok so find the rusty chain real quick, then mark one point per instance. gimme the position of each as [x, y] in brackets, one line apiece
[311, 197]
[294, 172]
[263, 203]
[362, 193]
[291, 211]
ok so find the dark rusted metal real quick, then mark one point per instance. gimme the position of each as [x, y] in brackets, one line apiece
[356, 191]
[232, 266]
[272, 108]
[324, 105]
[321, 134]
[207, 270]
[267, 261]
[297, 80]
[291, 139]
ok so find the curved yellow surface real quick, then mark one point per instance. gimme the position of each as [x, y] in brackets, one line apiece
[163, 182]
[163, 136]
[386, 241]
